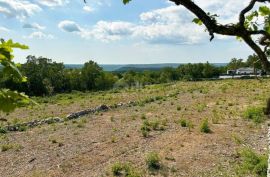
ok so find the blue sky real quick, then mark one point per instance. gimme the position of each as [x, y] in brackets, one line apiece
[108, 32]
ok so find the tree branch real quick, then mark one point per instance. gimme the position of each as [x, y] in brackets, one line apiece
[233, 29]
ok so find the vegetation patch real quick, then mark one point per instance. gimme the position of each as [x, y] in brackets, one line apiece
[125, 170]
[252, 163]
[153, 161]
[155, 125]
[6, 147]
[255, 114]
[204, 127]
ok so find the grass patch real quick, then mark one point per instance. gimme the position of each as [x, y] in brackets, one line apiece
[124, 169]
[255, 114]
[252, 163]
[6, 147]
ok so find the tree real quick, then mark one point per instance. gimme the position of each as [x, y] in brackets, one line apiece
[247, 27]
[90, 72]
[45, 77]
[253, 61]
[235, 64]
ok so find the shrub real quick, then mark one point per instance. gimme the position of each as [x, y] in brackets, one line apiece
[153, 161]
[145, 129]
[252, 163]
[205, 127]
[183, 123]
[255, 114]
[3, 130]
[124, 169]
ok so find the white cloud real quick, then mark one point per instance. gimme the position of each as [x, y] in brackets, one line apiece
[52, 3]
[69, 26]
[88, 9]
[17, 8]
[169, 25]
[166, 25]
[3, 29]
[109, 31]
[39, 35]
[33, 26]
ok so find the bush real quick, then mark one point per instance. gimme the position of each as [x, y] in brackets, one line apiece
[255, 114]
[124, 169]
[145, 129]
[205, 127]
[252, 163]
[153, 161]
[3, 130]
[183, 123]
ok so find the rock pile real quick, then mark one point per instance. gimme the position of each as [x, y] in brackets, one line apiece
[76, 115]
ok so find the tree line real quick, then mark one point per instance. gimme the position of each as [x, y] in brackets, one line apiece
[46, 77]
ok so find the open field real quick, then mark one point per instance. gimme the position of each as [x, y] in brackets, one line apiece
[168, 126]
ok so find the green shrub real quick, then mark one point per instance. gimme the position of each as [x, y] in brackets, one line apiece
[145, 128]
[255, 114]
[183, 123]
[124, 169]
[205, 127]
[153, 161]
[3, 130]
[252, 163]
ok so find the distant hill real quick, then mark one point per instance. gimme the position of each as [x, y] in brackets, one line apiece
[136, 67]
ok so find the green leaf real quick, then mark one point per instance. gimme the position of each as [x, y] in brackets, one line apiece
[264, 10]
[9, 100]
[239, 38]
[197, 21]
[126, 1]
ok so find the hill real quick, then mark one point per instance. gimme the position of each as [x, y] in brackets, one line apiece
[136, 67]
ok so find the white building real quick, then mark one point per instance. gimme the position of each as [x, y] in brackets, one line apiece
[247, 70]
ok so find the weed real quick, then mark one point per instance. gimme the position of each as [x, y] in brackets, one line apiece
[252, 163]
[124, 169]
[201, 107]
[237, 139]
[6, 147]
[3, 130]
[183, 122]
[190, 126]
[204, 128]
[255, 114]
[215, 117]
[153, 161]
[143, 117]
[145, 128]
[113, 139]
[178, 108]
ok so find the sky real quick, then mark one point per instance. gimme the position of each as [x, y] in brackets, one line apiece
[108, 32]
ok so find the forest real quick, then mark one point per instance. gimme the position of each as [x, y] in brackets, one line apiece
[46, 77]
